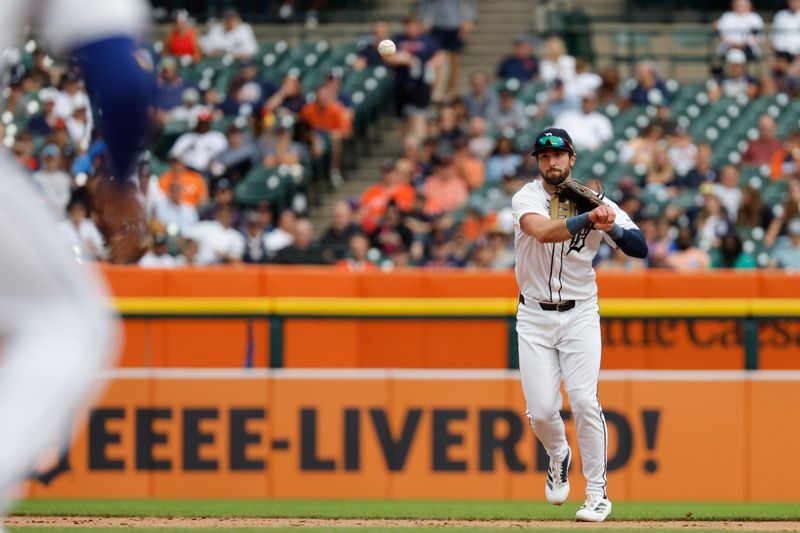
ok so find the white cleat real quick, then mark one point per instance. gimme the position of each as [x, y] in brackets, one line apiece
[596, 508]
[556, 488]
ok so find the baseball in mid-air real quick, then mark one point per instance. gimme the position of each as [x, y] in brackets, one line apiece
[387, 47]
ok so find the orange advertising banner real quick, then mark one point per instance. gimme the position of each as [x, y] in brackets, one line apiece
[419, 434]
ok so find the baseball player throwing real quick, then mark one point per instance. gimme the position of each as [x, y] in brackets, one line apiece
[57, 333]
[557, 234]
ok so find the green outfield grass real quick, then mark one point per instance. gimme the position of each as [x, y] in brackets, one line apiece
[467, 510]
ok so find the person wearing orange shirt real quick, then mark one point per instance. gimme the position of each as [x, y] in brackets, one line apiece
[445, 185]
[194, 187]
[392, 187]
[328, 115]
[182, 38]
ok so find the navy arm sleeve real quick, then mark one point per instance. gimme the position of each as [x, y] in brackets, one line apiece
[632, 243]
[122, 92]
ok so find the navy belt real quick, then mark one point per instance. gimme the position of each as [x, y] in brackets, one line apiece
[566, 305]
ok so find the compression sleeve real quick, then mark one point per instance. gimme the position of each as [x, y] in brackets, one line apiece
[122, 92]
[630, 241]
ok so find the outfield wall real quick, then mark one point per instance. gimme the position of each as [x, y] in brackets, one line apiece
[406, 434]
[688, 341]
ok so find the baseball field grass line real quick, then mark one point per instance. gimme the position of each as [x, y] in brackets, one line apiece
[327, 529]
[469, 510]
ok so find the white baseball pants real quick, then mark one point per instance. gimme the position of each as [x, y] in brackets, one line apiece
[566, 344]
[56, 331]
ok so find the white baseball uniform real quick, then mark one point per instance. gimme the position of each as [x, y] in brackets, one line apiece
[57, 332]
[561, 343]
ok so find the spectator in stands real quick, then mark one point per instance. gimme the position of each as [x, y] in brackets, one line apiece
[79, 126]
[735, 83]
[480, 96]
[558, 100]
[189, 109]
[391, 189]
[356, 259]
[650, 88]
[469, 168]
[230, 36]
[217, 240]
[761, 150]
[41, 74]
[449, 131]
[23, 150]
[223, 195]
[610, 91]
[687, 257]
[556, 64]
[70, 96]
[283, 235]
[585, 81]
[785, 162]
[417, 58]
[713, 221]
[54, 184]
[158, 254]
[482, 254]
[783, 77]
[253, 231]
[660, 173]
[330, 117]
[728, 190]
[188, 255]
[194, 190]
[169, 85]
[504, 161]
[368, 55]
[591, 129]
[150, 194]
[730, 254]
[445, 186]
[786, 31]
[336, 239]
[479, 142]
[521, 64]
[638, 151]
[507, 113]
[786, 253]
[740, 29]
[451, 23]
[42, 122]
[197, 148]
[391, 234]
[289, 97]
[175, 213]
[80, 233]
[278, 147]
[752, 211]
[303, 250]
[247, 91]
[509, 186]
[286, 12]
[333, 81]
[242, 154]
[702, 172]
[182, 38]
[682, 151]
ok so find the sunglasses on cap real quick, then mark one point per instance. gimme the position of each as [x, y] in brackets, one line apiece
[553, 140]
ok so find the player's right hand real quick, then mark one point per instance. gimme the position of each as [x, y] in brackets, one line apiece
[602, 217]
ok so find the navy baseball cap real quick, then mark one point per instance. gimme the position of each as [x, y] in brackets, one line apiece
[552, 138]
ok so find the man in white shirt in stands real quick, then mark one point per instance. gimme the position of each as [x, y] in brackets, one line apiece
[786, 30]
[740, 28]
[158, 256]
[175, 214]
[196, 148]
[231, 36]
[217, 240]
[590, 128]
[81, 234]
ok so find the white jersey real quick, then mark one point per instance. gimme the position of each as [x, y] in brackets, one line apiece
[554, 272]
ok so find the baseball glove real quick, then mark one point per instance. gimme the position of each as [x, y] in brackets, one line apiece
[584, 198]
[121, 220]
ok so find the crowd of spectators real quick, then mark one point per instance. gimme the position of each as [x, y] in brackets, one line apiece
[444, 200]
